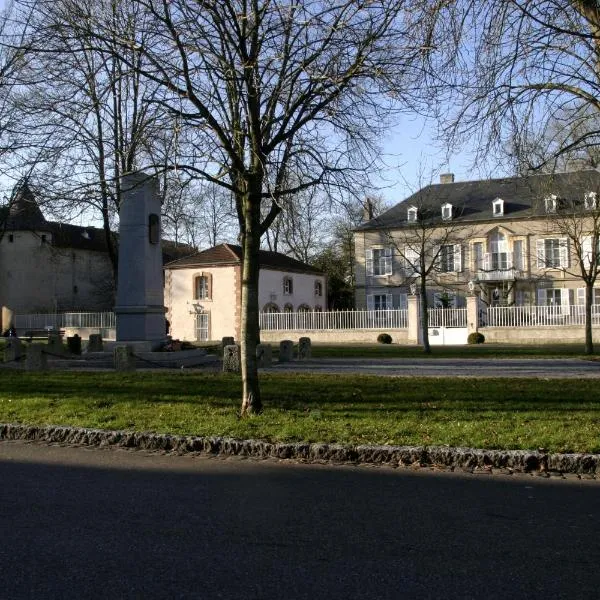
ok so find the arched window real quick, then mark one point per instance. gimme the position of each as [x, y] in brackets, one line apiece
[318, 308]
[288, 308]
[304, 308]
[203, 286]
[271, 307]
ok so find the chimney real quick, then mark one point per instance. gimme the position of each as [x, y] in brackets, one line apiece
[368, 211]
[447, 178]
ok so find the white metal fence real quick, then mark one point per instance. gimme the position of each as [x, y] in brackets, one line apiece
[539, 316]
[91, 320]
[344, 319]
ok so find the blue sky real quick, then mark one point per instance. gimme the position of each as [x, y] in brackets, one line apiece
[415, 159]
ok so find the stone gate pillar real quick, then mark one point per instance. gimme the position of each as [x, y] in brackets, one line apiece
[472, 313]
[6, 319]
[413, 319]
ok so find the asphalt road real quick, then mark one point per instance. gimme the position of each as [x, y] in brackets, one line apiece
[92, 523]
[447, 367]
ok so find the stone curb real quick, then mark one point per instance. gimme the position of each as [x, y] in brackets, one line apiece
[469, 459]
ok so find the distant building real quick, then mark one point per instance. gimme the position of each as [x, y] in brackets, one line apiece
[203, 291]
[508, 242]
[48, 266]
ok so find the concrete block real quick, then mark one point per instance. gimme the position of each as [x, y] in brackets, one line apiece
[13, 349]
[264, 355]
[95, 343]
[286, 351]
[232, 359]
[124, 358]
[37, 359]
[304, 348]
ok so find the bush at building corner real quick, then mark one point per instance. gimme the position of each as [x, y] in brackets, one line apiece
[384, 338]
[476, 338]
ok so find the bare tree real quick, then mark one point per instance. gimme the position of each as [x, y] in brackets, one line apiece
[85, 115]
[428, 241]
[577, 251]
[272, 88]
[525, 78]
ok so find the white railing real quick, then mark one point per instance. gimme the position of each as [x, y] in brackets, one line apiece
[447, 317]
[539, 316]
[95, 320]
[343, 319]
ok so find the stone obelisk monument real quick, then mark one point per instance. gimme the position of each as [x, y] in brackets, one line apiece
[140, 310]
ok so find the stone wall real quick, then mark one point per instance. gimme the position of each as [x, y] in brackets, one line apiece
[399, 336]
[537, 335]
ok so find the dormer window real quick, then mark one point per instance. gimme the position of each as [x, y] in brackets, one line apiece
[447, 211]
[550, 203]
[498, 207]
[412, 214]
[590, 201]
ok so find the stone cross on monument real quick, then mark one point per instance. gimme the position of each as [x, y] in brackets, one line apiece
[140, 310]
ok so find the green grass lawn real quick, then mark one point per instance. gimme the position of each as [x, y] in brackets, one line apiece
[559, 415]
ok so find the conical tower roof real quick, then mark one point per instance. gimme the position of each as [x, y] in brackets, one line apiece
[24, 212]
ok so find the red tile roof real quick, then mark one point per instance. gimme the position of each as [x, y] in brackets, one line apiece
[231, 254]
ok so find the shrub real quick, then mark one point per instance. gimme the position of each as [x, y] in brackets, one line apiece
[384, 338]
[476, 338]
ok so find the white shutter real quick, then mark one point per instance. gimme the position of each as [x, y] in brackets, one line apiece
[541, 256]
[564, 301]
[581, 296]
[564, 253]
[370, 302]
[403, 301]
[517, 261]
[387, 253]
[369, 261]
[458, 267]
[389, 304]
[411, 259]
[586, 251]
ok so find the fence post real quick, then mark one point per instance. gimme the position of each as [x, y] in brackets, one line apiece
[413, 319]
[472, 314]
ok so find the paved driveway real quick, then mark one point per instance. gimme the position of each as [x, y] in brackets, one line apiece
[447, 367]
[91, 523]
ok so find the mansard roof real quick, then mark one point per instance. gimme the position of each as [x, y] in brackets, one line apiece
[472, 200]
[231, 254]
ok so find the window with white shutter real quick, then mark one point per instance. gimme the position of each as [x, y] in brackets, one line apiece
[553, 253]
[378, 261]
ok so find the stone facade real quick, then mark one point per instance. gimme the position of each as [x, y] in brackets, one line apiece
[505, 240]
[203, 291]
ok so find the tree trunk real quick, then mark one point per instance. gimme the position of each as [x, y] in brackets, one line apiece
[424, 317]
[251, 400]
[589, 295]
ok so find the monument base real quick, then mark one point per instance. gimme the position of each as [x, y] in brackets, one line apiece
[141, 326]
